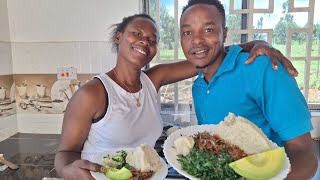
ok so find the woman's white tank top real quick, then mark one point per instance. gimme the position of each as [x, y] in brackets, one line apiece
[125, 125]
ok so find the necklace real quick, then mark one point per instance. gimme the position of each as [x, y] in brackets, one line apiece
[136, 98]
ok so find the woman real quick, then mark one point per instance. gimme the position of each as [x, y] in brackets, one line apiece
[119, 109]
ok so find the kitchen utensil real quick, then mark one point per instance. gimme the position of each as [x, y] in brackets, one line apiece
[8, 163]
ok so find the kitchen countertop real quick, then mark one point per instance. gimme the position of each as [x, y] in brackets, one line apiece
[34, 153]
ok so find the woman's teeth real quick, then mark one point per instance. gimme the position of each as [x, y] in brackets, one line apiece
[140, 51]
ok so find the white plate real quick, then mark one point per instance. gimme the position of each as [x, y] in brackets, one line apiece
[98, 158]
[170, 152]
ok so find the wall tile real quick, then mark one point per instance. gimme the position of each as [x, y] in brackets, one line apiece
[5, 58]
[42, 58]
[45, 58]
[84, 56]
[107, 60]
[103, 59]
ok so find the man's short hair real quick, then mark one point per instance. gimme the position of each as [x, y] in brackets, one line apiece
[215, 3]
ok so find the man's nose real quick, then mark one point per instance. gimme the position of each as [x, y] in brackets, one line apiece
[197, 38]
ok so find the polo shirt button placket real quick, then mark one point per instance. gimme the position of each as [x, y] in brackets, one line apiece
[208, 91]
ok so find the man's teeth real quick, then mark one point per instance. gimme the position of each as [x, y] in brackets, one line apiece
[200, 52]
[140, 51]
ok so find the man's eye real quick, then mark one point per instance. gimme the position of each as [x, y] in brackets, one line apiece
[187, 33]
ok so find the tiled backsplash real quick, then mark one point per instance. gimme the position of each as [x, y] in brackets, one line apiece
[7, 98]
[43, 93]
[46, 57]
[37, 94]
[35, 103]
[5, 58]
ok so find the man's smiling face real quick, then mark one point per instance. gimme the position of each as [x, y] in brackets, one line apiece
[202, 34]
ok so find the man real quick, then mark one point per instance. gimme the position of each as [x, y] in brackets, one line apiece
[270, 99]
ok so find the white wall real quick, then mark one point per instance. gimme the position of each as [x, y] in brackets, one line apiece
[48, 34]
[5, 46]
[4, 24]
[61, 20]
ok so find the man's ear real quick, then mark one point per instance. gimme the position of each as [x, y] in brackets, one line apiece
[225, 33]
[117, 37]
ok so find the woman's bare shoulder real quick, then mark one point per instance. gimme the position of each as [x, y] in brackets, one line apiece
[90, 96]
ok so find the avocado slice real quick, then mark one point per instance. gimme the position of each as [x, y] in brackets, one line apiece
[260, 166]
[118, 174]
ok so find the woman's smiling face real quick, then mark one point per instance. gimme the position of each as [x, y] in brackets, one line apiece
[138, 43]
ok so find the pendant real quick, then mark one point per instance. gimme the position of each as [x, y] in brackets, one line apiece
[138, 103]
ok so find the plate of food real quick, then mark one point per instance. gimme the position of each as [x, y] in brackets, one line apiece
[140, 163]
[234, 149]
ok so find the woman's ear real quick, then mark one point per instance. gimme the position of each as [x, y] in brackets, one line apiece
[117, 37]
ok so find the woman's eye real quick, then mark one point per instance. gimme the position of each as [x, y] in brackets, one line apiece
[187, 33]
[152, 42]
[137, 34]
[208, 30]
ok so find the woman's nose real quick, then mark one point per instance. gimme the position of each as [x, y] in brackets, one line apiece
[144, 41]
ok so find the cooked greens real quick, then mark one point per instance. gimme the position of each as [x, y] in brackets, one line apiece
[117, 161]
[207, 166]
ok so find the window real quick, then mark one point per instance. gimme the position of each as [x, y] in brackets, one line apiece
[292, 26]
[176, 99]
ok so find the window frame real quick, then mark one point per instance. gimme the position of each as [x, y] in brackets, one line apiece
[247, 30]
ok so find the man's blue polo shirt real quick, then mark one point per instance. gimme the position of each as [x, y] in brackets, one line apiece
[270, 99]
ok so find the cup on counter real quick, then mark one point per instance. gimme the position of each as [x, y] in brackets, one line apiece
[2, 93]
[41, 90]
[22, 90]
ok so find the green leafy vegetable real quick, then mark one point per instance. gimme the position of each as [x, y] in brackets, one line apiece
[120, 158]
[206, 166]
[116, 161]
